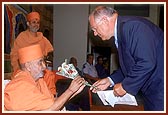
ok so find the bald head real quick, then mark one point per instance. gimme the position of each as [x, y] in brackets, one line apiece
[100, 11]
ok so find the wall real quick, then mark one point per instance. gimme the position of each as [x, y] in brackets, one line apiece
[70, 33]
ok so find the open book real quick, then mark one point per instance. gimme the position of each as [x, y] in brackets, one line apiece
[108, 98]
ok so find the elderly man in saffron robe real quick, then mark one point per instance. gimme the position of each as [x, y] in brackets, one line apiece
[28, 91]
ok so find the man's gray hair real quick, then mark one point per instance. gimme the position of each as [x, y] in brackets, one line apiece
[100, 11]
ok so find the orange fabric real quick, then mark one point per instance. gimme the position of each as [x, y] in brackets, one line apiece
[23, 93]
[25, 39]
[33, 15]
[51, 78]
[30, 53]
[14, 74]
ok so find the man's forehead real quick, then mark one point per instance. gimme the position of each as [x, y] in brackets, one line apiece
[35, 19]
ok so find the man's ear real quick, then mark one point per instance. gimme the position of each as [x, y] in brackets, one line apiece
[27, 23]
[28, 66]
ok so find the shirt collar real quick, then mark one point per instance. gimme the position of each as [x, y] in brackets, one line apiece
[115, 34]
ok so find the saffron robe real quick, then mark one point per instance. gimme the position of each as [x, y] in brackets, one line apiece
[25, 39]
[24, 94]
[51, 78]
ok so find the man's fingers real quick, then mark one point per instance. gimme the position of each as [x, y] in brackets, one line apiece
[115, 94]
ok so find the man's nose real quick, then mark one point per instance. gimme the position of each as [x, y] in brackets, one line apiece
[43, 66]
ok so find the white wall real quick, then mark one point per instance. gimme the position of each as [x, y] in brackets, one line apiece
[70, 33]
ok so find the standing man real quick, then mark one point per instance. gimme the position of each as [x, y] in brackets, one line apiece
[29, 37]
[140, 46]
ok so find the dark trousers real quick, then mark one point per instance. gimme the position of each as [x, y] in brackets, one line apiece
[79, 101]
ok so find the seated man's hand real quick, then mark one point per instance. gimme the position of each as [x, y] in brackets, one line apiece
[77, 85]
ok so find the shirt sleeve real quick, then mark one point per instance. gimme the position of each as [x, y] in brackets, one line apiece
[112, 83]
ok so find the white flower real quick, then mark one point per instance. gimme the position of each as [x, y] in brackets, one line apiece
[67, 70]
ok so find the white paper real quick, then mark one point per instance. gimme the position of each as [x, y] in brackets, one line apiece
[108, 98]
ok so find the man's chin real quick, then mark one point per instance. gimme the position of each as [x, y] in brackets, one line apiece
[105, 39]
[34, 30]
[39, 76]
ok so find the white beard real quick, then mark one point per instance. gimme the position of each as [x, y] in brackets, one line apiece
[33, 29]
